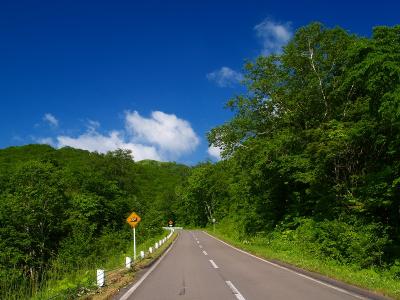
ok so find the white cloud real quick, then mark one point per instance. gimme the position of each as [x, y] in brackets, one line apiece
[92, 125]
[161, 137]
[94, 141]
[214, 152]
[52, 120]
[273, 35]
[47, 140]
[172, 135]
[225, 77]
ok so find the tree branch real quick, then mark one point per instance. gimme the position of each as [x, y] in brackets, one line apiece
[311, 52]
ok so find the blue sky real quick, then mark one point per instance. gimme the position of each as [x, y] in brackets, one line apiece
[151, 76]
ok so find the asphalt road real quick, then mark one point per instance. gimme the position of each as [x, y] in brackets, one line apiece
[201, 267]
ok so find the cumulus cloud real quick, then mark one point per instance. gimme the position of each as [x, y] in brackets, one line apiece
[225, 77]
[52, 120]
[214, 152]
[273, 35]
[94, 141]
[47, 140]
[171, 135]
[160, 137]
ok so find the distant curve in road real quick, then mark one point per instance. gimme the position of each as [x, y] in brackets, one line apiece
[201, 267]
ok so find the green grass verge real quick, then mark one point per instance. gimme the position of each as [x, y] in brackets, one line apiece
[119, 278]
[62, 283]
[374, 279]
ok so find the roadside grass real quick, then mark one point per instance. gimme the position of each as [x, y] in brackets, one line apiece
[375, 279]
[62, 282]
[119, 278]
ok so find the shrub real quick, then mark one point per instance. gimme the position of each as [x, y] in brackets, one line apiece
[347, 242]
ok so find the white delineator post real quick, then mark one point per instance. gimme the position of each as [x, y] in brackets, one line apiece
[151, 249]
[128, 262]
[142, 254]
[100, 278]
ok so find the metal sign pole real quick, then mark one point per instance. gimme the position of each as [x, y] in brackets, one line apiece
[133, 220]
[134, 244]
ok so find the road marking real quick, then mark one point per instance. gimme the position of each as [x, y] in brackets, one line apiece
[205, 253]
[197, 242]
[137, 284]
[292, 271]
[201, 247]
[235, 291]
[213, 264]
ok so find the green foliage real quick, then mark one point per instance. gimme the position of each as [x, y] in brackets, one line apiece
[311, 163]
[346, 242]
[312, 154]
[64, 210]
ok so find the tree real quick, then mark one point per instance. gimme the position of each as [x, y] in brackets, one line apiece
[31, 217]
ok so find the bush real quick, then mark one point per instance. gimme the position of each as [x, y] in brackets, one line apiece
[395, 270]
[347, 242]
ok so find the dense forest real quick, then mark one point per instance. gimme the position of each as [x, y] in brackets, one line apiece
[311, 156]
[312, 153]
[65, 209]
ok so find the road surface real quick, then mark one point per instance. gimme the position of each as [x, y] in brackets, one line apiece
[199, 266]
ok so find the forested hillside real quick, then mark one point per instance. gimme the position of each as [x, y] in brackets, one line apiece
[311, 159]
[65, 209]
[310, 169]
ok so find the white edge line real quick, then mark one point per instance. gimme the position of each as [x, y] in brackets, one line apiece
[235, 290]
[292, 271]
[137, 284]
[213, 264]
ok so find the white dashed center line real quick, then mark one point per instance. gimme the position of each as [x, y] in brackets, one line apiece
[201, 247]
[235, 291]
[205, 253]
[213, 264]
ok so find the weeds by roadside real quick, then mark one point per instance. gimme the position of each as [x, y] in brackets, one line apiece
[64, 282]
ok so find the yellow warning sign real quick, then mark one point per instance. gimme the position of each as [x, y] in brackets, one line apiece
[133, 219]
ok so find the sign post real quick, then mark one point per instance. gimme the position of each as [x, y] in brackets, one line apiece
[134, 220]
[134, 244]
